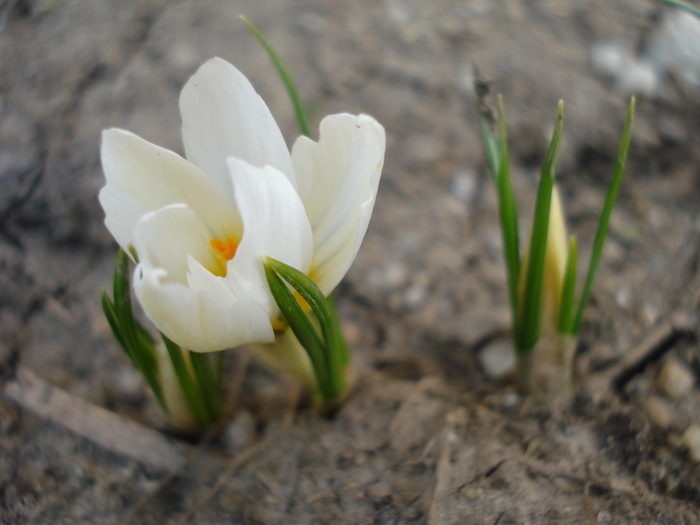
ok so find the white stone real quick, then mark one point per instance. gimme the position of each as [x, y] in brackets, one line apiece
[498, 358]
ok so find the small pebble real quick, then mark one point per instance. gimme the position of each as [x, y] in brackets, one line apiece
[498, 359]
[608, 58]
[675, 380]
[510, 400]
[464, 186]
[624, 298]
[691, 439]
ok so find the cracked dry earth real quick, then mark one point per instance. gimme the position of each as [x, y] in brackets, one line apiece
[430, 434]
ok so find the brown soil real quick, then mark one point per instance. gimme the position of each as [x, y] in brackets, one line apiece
[427, 436]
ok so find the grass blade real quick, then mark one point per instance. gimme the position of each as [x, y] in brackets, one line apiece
[566, 311]
[602, 231]
[528, 331]
[289, 84]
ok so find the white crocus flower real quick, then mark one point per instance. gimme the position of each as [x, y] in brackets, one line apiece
[201, 226]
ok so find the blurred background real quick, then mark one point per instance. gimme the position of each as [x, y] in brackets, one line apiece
[424, 306]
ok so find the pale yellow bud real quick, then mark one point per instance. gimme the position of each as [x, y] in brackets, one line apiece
[554, 269]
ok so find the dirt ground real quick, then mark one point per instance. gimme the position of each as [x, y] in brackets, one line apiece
[430, 434]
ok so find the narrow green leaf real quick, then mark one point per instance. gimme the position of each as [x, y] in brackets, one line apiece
[192, 393]
[509, 218]
[302, 328]
[528, 331]
[138, 345]
[110, 314]
[691, 7]
[289, 84]
[122, 297]
[208, 384]
[566, 311]
[602, 231]
[330, 327]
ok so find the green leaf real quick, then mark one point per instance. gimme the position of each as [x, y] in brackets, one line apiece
[691, 7]
[302, 327]
[602, 231]
[136, 342]
[188, 384]
[333, 346]
[289, 84]
[207, 381]
[111, 315]
[566, 311]
[509, 218]
[495, 138]
[528, 331]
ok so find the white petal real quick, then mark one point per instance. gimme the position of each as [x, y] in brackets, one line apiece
[274, 225]
[337, 180]
[142, 177]
[198, 320]
[168, 237]
[222, 117]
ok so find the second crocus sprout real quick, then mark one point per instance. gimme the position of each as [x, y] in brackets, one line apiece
[199, 227]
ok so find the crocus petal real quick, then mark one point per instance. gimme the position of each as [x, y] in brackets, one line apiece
[168, 237]
[337, 180]
[274, 225]
[555, 258]
[222, 117]
[197, 319]
[142, 177]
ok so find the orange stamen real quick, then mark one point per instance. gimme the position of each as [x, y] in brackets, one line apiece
[226, 249]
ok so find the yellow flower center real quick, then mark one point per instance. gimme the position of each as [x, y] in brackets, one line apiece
[225, 251]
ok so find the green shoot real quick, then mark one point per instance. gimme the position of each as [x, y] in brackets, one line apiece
[605, 217]
[526, 290]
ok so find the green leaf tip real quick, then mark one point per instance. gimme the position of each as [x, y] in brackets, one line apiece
[285, 75]
[604, 222]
